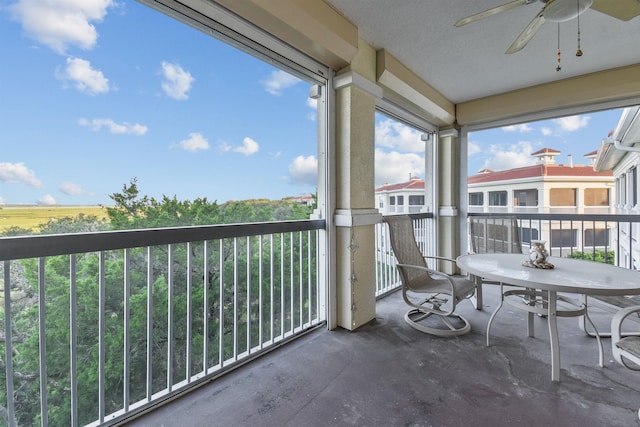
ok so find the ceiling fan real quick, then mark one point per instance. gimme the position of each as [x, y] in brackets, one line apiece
[557, 11]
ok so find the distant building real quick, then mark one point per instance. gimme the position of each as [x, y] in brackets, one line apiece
[547, 187]
[307, 200]
[620, 154]
[405, 197]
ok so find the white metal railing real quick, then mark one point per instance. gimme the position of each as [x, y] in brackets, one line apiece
[611, 238]
[387, 278]
[99, 326]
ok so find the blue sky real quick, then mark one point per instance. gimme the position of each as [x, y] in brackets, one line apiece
[94, 93]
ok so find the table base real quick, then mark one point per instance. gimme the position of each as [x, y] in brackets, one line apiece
[545, 303]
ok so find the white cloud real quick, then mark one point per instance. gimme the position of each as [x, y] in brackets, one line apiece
[85, 78]
[195, 142]
[1, 201]
[177, 82]
[47, 199]
[60, 24]
[304, 170]
[313, 104]
[572, 123]
[395, 135]
[473, 148]
[72, 189]
[18, 173]
[546, 131]
[115, 128]
[278, 81]
[515, 156]
[395, 167]
[522, 128]
[248, 147]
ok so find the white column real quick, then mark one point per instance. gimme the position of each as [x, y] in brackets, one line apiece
[356, 213]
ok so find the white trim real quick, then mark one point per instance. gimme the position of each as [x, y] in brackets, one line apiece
[555, 113]
[357, 217]
[449, 133]
[448, 211]
[353, 79]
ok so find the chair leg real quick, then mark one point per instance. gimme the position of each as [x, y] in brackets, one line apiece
[476, 300]
[414, 317]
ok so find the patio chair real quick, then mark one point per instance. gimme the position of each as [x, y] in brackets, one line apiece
[493, 235]
[424, 289]
[625, 349]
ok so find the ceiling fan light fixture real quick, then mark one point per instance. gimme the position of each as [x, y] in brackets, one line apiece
[562, 10]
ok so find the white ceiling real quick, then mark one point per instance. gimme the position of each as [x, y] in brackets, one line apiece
[469, 62]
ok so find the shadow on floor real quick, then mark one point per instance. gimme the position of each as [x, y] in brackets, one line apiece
[388, 374]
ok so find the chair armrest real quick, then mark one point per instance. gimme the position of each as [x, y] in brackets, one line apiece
[618, 319]
[440, 258]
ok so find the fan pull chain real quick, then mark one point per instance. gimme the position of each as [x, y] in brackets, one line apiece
[558, 67]
[579, 51]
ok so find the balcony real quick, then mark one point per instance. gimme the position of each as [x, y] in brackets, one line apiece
[387, 373]
[263, 288]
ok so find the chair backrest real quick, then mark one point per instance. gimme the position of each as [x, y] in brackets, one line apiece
[405, 247]
[495, 235]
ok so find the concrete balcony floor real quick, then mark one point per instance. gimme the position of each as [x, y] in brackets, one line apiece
[388, 374]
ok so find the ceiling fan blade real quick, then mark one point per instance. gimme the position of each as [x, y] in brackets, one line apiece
[527, 34]
[623, 10]
[493, 11]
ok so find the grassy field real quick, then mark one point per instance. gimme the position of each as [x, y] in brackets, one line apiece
[32, 216]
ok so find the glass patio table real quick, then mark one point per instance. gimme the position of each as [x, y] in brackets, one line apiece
[542, 285]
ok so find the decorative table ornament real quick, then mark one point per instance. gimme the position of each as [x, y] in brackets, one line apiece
[538, 255]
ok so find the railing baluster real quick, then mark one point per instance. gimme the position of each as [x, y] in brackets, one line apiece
[189, 311]
[170, 317]
[272, 301]
[309, 276]
[206, 313]
[149, 324]
[101, 331]
[291, 282]
[42, 341]
[248, 272]
[73, 342]
[8, 345]
[282, 285]
[235, 298]
[221, 357]
[127, 327]
[260, 292]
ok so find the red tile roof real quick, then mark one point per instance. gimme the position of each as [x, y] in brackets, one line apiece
[414, 184]
[537, 171]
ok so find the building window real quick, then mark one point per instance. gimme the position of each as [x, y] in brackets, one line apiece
[497, 198]
[596, 237]
[596, 197]
[525, 197]
[564, 238]
[476, 199]
[416, 203]
[399, 204]
[529, 234]
[562, 197]
[416, 200]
